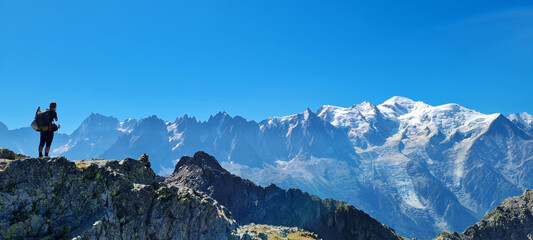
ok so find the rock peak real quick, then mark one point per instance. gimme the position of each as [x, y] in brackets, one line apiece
[107, 199]
[512, 219]
[200, 160]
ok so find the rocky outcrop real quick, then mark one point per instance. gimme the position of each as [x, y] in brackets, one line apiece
[8, 154]
[512, 220]
[260, 232]
[144, 159]
[271, 205]
[53, 198]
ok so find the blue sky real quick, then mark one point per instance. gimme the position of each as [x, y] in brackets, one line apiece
[259, 59]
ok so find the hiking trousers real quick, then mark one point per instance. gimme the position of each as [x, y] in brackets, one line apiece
[46, 138]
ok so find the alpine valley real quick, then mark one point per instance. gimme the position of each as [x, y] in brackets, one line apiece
[417, 168]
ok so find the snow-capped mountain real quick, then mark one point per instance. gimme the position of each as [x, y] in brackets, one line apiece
[230, 138]
[92, 137]
[418, 168]
[149, 136]
[304, 135]
[522, 120]
[364, 124]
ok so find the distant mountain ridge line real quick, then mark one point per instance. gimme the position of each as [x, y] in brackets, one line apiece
[522, 117]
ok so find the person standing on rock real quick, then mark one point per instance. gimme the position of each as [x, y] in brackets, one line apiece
[48, 135]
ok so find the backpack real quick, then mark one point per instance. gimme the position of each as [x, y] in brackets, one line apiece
[41, 122]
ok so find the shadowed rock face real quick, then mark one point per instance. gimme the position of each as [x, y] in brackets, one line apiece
[250, 203]
[512, 220]
[99, 199]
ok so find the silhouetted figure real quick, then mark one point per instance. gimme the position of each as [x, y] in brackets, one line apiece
[48, 135]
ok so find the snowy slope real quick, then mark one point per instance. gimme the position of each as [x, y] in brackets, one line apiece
[522, 120]
[95, 134]
[364, 124]
[223, 136]
[149, 136]
[305, 134]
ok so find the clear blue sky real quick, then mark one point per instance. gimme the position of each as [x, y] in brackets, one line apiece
[259, 58]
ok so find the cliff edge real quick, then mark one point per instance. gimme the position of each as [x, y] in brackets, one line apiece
[53, 198]
[512, 220]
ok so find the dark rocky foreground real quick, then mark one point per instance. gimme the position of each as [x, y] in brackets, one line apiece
[511, 220]
[250, 203]
[55, 198]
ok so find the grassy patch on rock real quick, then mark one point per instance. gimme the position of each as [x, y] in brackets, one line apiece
[260, 231]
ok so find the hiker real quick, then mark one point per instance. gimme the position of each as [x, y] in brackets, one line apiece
[48, 135]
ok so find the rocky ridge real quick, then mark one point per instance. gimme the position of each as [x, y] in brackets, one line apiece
[250, 203]
[54, 198]
[512, 220]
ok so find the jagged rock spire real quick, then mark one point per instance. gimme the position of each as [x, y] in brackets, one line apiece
[201, 160]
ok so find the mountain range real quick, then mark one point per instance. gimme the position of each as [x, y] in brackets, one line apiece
[418, 168]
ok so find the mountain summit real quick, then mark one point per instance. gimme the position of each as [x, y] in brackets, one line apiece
[200, 160]
[250, 203]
